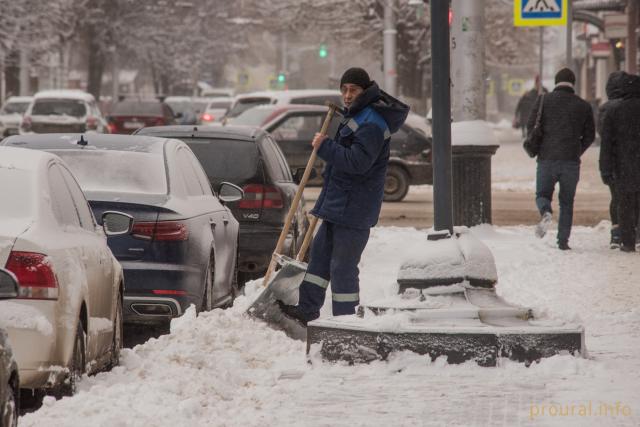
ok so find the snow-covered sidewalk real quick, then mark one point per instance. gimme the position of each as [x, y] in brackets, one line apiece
[224, 369]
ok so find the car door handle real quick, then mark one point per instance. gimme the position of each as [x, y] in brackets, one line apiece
[212, 221]
[225, 219]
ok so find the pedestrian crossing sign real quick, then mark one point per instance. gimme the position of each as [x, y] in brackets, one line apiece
[539, 13]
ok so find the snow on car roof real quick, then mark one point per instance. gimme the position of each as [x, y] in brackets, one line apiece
[95, 141]
[23, 158]
[64, 93]
[19, 99]
[288, 94]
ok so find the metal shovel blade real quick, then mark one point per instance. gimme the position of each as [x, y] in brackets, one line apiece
[284, 287]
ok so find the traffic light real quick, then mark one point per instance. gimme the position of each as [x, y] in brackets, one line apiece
[282, 77]
[322, 52]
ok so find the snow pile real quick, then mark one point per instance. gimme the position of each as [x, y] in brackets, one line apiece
[223, 368]
[461, 257]
[472, 132]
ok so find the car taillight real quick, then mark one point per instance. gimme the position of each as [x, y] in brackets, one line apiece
[207, 117]
[166, 231]
[168, 292]
[92, 123]
[35, 275]
[26, 123]
[257, 196]
[112, 128]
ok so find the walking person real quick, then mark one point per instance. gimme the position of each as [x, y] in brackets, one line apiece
[351, 197]
[615, 92]
[525, 105]
[568, 130]
[620, 159]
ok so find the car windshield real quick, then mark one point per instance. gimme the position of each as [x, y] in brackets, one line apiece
[225, 160]
[253, 116]
[244, 104]
[137, 109]
[15, 189]
[59, 107]
[219, 104]
[181, 107]
[14, 108]
[117, 171]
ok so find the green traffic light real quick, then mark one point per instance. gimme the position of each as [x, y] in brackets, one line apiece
[281, 78]
[323, 51]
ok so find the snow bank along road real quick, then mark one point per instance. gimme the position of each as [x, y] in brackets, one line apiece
[224, 369]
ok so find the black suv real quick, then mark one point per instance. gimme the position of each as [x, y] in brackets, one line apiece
[293, 127]
[250, 158]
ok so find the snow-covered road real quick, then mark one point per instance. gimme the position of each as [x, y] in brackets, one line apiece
[224, 369]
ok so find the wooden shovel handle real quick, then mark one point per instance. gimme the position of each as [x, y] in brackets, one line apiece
[298, 196]
[307, 238]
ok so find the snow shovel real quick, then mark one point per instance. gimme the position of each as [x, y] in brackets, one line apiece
[285, 283]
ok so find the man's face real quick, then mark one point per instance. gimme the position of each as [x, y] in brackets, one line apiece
[350, 92]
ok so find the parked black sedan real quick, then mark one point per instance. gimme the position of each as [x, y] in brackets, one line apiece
[183, 246]
[251, 159]
[9, 381]
[293, 127]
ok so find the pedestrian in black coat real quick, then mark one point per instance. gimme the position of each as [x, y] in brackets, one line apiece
[525, 105]
[615, 92]
[568, 130]
[620, 158]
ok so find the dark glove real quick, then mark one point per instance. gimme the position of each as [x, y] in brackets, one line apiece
[608, 179]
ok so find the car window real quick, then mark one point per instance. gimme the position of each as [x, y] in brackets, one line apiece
[284, 165]
[253, 116]
[59, 107]
[137, 108]
[298, 127]
[202, 177]
[246, 103]
[188, 173]
[14, 108]
[63, 206]
[82, 207]
[276, 170]
[226, 160]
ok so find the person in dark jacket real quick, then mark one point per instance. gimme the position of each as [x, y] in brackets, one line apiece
[568, 130]
[351, 197]
[615, 92]
[525, 104]
[620, 158]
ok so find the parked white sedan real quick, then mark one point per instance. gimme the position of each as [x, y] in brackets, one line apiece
[67, 319]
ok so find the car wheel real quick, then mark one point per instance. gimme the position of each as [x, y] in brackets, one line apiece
[78, 363]
[10, 409]
[116, 347]
[396, 184]
[207, 302]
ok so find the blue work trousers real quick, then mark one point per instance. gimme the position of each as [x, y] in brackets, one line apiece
[567, 174]
[335, 254]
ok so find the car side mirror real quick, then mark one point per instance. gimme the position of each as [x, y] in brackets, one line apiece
[228, 192]
[8, 284]
[297, 175]
[116, 223]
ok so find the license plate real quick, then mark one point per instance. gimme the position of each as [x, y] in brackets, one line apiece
[132, 125]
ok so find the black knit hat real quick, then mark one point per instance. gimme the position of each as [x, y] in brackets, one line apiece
[565, 75]
[356, 76]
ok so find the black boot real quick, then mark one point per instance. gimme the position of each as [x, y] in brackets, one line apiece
[294, 312]
[615, 237]
[563, 245]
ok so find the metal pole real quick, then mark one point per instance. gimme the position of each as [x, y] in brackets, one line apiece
[569, 52]
[631, 54]
[541, 71]
[467, 60]
[389, 34]
[440, 89]
[24, 71]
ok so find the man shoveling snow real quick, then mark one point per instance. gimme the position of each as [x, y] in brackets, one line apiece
[351, 197]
